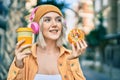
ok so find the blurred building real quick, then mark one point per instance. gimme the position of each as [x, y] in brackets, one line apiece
[84, 15]
[110, 10]
[86, 11]
[11, 17]
[3, 25]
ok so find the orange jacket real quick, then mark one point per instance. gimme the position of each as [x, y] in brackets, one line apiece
[69, 69]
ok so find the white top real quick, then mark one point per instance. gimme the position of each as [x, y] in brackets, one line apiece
[47, 77]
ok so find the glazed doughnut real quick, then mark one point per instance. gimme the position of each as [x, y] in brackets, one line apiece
[75, 35]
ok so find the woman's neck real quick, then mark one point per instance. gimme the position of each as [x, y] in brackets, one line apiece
[51, 48]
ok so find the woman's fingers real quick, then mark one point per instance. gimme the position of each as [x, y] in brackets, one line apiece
[24, 47]
[78, 49]
[78, 46]
[85, 44]
[25, 53]
[22, 51]
[81, 45]
[19, 43]
[20, 56]
[74, 50]
[73, 47]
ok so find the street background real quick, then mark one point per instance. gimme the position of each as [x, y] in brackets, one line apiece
[99, 19]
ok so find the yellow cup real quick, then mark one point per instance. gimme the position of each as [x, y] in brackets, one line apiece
[24, 33]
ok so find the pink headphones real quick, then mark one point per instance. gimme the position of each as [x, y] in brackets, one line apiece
[34, 25]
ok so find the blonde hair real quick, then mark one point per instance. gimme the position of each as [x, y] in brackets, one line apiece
[40, 39]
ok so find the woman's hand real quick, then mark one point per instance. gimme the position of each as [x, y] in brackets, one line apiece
[78, 49]
[21, 53]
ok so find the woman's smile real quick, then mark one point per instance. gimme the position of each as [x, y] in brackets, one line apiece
[54, 31]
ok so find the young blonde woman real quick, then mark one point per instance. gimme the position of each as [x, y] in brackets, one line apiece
[47, 59]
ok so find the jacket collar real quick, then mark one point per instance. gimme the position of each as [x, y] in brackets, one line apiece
[62, 50]
[34, 49]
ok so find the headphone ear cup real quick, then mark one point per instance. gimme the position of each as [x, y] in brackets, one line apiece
[35, 27]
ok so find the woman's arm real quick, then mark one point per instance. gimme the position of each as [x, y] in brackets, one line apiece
[15, 73]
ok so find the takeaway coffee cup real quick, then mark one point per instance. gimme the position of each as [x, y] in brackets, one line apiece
[24, 33]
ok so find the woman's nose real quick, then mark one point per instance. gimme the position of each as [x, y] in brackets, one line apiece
[54, 23]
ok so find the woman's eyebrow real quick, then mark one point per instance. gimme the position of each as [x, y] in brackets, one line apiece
[46, 17]
[51, 17]
[58, 17]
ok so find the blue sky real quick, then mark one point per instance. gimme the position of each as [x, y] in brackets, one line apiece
[67, 1]
[70, 1]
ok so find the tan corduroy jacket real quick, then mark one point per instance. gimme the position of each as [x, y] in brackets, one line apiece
[69, 69]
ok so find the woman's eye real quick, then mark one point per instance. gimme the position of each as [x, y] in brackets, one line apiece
[58, 20]
[47, 20]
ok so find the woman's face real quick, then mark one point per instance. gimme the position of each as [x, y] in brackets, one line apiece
[52, 26]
